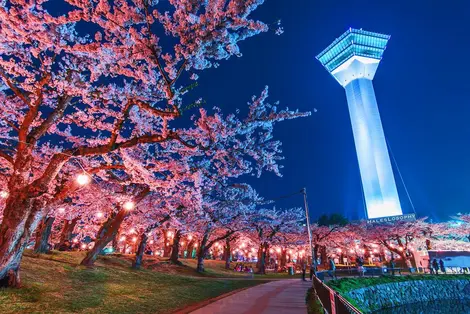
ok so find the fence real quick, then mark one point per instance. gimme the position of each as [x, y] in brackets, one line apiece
[331, 301]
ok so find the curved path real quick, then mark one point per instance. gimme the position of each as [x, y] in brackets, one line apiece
[275, 297]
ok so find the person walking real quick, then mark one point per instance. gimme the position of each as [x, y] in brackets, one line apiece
[304, 270]
[441, 265]
[312, 270]
[435, 265]
[331, 268]
[431, 269]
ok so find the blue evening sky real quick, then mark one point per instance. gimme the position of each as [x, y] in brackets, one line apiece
[421, 86]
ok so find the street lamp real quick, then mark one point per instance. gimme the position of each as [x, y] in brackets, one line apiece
[304, 192]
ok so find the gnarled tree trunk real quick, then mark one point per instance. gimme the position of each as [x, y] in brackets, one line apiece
[202, 251]
[167, 244]
[43, 234]
[21, 216]
[190, 248]
[139, 255]
[105, 235]
[176, 248]
[67, 230]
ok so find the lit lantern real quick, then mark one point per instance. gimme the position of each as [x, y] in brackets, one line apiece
[129, 205]
[83, 246]
[83, 179]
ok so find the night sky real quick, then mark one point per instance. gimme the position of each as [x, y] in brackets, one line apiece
[421, 88]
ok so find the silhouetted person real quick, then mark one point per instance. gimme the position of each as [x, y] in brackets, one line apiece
[441, 265]
[435, 265]
[304, 270]
[431, 269]
[312, 270]
[331, 268]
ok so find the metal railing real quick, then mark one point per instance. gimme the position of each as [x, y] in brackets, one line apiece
[332, 302]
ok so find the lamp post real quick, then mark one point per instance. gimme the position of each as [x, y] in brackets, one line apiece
[304, 192]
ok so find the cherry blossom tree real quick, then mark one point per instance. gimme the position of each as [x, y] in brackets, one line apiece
[78, 96]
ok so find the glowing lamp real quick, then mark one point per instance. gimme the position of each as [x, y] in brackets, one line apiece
[182, 243]
[83, 179]
[195, 245]
[190, 237]
[134, 239]
[83, 246]
[129, 205]
[132, 230]
[74, 240]
[152, 242]
[99, 215]
[3, 194]
[122, 239]
[278, 250]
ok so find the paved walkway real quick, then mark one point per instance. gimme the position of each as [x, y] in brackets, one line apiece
[276, 297]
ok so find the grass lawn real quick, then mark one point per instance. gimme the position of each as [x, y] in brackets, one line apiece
[55, 283]
[345, 285]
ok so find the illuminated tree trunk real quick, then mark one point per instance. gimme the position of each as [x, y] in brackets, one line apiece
[202, 251]
[176, 248]
[283, 257]
[116, 242]
[167, 244]
[190, 248]
[21, 216]
[139, 255]
[227, 254]
[67, 230]
[43, 234]
[262, 258]
[105, 235]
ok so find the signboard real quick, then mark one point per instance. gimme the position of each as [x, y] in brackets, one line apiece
[407, 217]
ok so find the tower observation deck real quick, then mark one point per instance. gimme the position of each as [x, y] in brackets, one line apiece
[352, 59]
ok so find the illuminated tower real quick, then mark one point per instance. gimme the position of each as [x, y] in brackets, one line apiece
[352, 59]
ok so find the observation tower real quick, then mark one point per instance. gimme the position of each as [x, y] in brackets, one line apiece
[352, 59]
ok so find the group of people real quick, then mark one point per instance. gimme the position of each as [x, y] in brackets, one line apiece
[434, 266]
[243, 268]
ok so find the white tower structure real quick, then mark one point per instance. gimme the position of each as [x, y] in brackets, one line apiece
[352, 59]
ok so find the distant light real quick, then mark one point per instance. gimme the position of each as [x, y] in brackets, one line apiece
[122, 239]
[134, 239]
[278, 250]
[61, 209]
[83, 179]
[74, 240]
[132, 230]
[195, 244]
[4, 194]
[152, 242]
[129, 205]
[83, 246]
[190, 237]
[182, 243]
[351, 251]
[99, 215]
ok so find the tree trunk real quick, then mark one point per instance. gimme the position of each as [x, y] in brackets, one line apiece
[190, 249]
[167, 244]
[176, 248]
[139, 255]
[324, 259]
[105, 235]
[21, 216]
[262, 260]
[202, 251]
[227, 254]
[283, 257]
[43, 234]
[67, 230]
[116, 242]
